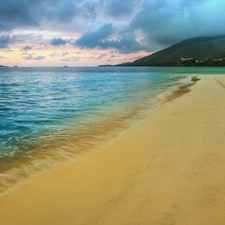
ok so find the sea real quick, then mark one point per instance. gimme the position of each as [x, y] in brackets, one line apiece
[50, 116]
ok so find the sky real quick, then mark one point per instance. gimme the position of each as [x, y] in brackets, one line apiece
[93, 32]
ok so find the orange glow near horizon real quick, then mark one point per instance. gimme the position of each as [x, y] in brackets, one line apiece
[63, 55]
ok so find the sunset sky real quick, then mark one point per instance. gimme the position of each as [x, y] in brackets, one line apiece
[93, 32]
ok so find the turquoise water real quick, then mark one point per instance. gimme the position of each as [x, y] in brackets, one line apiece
[48, 115]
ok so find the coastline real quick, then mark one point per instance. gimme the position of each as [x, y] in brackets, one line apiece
[20, 167]
[168, 169]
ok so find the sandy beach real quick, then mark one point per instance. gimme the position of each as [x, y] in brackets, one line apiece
[168, 169]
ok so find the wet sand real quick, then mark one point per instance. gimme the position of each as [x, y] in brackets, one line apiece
[168, 169]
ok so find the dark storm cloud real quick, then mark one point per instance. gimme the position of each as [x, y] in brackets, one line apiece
[4, 41]
[165, 22]
[30, 13]
[89, 10]
[128, 44]
[118, 8]
[162, 22]
[15, 13]
[58, 41]
[100, 39]
[94, 39]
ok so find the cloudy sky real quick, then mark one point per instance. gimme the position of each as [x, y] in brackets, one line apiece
[93, 32]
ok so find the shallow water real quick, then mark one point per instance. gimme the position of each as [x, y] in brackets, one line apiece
[50, 115]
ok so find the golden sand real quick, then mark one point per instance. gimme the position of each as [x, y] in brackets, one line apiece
[168, 169]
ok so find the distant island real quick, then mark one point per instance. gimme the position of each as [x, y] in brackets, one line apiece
[105, 65]
[7, 66]
[200, 51]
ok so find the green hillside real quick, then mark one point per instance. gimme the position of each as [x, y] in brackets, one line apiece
[201, 49]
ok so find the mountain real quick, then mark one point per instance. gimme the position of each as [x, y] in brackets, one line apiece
[200, 51]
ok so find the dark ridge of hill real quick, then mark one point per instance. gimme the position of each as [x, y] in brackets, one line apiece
[200, 51]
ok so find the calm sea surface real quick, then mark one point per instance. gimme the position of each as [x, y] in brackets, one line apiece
[49, 115]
